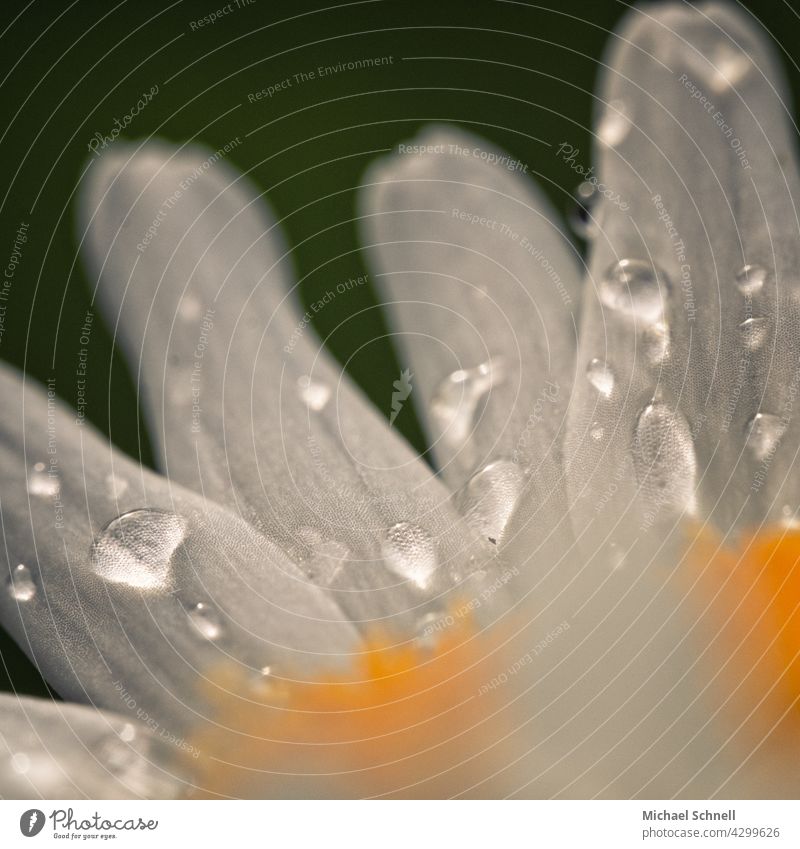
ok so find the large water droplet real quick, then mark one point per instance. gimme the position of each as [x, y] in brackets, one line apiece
[137, 547]
[490, 496]
[43, 482]
[410, 553]
[664, 458]
[21, 585]
[314, 394]
[754, 332]
[763, 433]
[615, 124]
[456, 399]
[600, 376]
[631, 286]
[205, 620]
[751, 279]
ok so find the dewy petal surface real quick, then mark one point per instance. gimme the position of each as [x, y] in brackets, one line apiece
[693, 301]
[483, 289]
[245, 405]
[691, 304]
[125, 589]
[50, 750]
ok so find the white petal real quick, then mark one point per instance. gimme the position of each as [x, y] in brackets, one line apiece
[638, 701]
[703, 314]
[50, 750]
[127, 601]
[245, 406]
[483, 288]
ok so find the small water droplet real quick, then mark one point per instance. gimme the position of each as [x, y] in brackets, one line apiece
[136, 548]
[314, 394]
[727, 68]
[751, 279]
[581, 218]
[631, 286]
[205, 620]
[763, 433]
[410, 553]
[43, 482]
[21, 585]
[456, 399]
[656, 342]
[597, 432]
[615, 124]
[664, 457]
[429, 626]
[600, 376]
[754, 332]
[490, 496]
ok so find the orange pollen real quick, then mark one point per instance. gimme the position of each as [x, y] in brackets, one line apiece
[752, 599]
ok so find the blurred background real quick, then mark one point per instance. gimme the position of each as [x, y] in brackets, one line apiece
[519, 73]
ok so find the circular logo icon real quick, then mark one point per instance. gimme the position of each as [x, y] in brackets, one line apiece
[31, 822]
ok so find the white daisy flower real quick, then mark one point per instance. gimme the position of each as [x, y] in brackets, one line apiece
[596, 592]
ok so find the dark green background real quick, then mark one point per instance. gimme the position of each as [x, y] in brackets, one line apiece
[516, 72]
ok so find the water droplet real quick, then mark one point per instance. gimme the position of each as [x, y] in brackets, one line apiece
[429, 626]
[137, 547]
[664, 457]
[21, 585]
[490, 496]
[597, 432]
[789, 517]
[656, 342]
[320, 557]
[410, 553]
[313, 394]
[754, 332]
[751, 279]
[600, 376]
[115, 486]
[456, 399]
[763, 433]
[127, 732]
[581, 218]
[43, 482]
[728, 67]
[631, 286]
[205, 620]
[615, 124]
